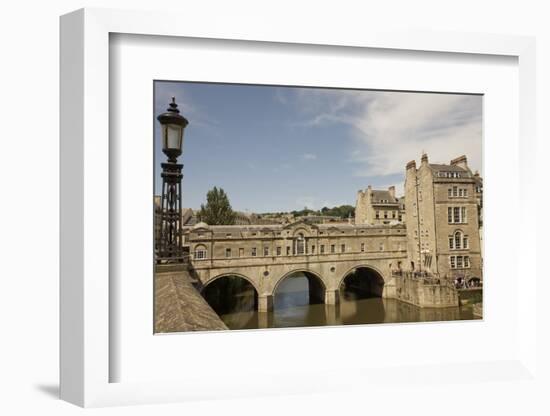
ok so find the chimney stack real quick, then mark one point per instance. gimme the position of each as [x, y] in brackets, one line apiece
[424, 159]
[391, 190]
[411, 165]
[460, 161]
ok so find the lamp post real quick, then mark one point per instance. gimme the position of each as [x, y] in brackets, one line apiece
[169, 244]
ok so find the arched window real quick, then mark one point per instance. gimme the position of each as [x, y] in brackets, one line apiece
[300, 244]
[458, 240]
[200, 252]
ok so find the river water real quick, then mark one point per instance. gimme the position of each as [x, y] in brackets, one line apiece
[292, 309]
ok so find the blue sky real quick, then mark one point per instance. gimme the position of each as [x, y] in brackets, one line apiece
[283, 148]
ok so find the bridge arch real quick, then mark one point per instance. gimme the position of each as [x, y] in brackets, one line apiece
[364, 280]
[317, 286]
[231, 292]
[229, 274]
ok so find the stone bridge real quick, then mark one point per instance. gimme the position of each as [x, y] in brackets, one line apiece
[325, 273]
[326, 254]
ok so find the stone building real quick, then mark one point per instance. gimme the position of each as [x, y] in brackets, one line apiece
[377, 206]
[442, 218]
[402, 217]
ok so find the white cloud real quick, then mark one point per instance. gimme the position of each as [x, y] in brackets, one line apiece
[310, 156]
[389, 129]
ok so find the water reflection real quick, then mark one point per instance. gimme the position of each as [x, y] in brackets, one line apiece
[292, 309]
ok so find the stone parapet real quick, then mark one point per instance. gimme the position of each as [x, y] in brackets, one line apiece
[179, 306]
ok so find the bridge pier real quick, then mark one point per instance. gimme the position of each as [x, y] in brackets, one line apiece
[332, 313]
[265, 303]
[265, 320]
[332, 297]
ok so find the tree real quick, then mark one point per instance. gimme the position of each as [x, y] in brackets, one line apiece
[217, 210]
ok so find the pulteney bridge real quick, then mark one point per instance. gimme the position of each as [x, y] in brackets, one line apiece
[329, 255]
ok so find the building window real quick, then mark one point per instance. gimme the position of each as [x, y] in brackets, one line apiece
[385, 214]
[449, 192]
[458, 240]
[381, 247]
[200, 253]
[300, 244]
[253, 252]
[456, 215]
[288, 251]
[460, 262]
[332, 248]
[322, 248]
[266, 251]
[241, 252]
[343, 248]
[377, 215]
[312, 249]
[393, 214]
[227, 252]
[362, 247]
[228, 236]
[278, 251]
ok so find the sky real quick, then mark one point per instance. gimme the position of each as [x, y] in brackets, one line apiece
[274, 148]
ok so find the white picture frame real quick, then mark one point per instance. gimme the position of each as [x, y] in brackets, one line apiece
[86, 291]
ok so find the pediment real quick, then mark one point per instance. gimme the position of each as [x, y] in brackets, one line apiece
[301, 225]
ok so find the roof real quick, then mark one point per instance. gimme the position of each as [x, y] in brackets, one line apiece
[379, 196]
[447, 168]
[276, 227]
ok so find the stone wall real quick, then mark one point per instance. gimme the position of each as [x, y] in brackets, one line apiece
[425, 293]
[179, 306]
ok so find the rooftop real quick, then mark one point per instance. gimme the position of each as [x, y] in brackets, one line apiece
[383, 197]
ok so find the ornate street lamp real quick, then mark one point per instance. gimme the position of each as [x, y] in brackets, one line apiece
[169, 244]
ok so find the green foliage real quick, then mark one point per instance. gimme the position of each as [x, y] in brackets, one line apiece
[342, 211]
[217, 210]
